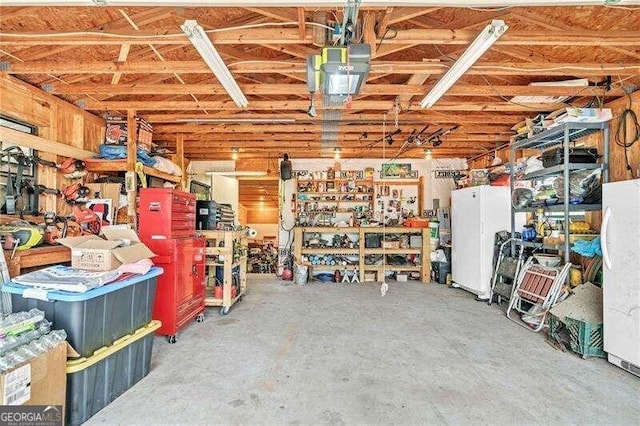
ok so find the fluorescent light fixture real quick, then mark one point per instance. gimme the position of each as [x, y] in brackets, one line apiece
[210, 55]
[234, 153]
[236, 120]
[476, 49]
[236, 173]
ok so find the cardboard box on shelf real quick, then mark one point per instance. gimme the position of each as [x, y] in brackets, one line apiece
[93, 253]
[116, 133]
[41, 381]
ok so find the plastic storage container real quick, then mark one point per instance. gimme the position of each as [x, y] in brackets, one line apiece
[98, 317]
[586, 339]
[95, 382]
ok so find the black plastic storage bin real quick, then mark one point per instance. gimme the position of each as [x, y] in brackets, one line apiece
[98, 317]
[95, 382]
[440, 271]
[554, 156]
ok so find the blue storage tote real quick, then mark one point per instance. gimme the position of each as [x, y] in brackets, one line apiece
[98, 317]
[95, 382]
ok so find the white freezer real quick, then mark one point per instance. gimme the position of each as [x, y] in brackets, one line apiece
[477, 213]
[620, 239]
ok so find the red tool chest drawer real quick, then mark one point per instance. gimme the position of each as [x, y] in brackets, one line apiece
[166, 212]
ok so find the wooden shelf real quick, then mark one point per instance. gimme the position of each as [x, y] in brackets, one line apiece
[391, 230]
[36, 257]
[332, 267]
[106, 166]
[424, 266]
[336, 251]
[333, 180]
[334, 201]
[394, 268]
[393, 251]
[331, 230]
[335, 193]
[230, 238]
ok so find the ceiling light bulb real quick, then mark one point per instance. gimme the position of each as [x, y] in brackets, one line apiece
[336, 153]
[234, 153]
[427, 154]
[476, 49]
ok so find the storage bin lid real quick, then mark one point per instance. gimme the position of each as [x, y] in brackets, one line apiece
[67, 296]
[79, 364]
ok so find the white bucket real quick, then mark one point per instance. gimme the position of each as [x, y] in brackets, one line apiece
[302, 274]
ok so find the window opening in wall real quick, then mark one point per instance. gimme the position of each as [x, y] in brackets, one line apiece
[17, 166]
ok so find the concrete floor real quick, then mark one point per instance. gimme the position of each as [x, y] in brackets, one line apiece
[341, 354]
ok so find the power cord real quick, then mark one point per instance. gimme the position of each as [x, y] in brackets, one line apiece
[627, 120]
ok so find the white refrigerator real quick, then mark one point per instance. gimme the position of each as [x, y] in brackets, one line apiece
[620, 242]
[477, 213]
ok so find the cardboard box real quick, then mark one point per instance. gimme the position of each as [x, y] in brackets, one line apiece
[116, 133]
[41, 381]
[93, 253]
[108, 191]
[401, 277]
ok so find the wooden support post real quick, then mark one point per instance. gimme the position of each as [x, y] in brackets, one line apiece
[421, 195]
[425, 258]
[132, 157]
[180, 160]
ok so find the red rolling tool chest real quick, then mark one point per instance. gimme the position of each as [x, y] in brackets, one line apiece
[166, 212]
[167, 227]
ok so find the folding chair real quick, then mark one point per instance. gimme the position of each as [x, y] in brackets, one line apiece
[537, 289]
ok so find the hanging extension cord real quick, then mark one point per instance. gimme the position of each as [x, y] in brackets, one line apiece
[628, 125]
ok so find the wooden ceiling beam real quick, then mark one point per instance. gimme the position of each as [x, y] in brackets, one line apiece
[310, 138]
[373, 119]
[298, 67]
[302, 22]
[292, 36]
[402, 90]
[309, 128]
[439, 152]
[122, 56]
[302, 105]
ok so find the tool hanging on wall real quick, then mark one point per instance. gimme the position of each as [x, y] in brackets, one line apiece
[76, 194]
[71, 168]
[14, 183]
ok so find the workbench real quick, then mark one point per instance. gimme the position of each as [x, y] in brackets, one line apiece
[219, 252]
[35, 257]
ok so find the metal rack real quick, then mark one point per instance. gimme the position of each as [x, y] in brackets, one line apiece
[564, 134]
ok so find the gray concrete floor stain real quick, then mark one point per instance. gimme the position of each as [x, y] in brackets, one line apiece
[340, 354]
